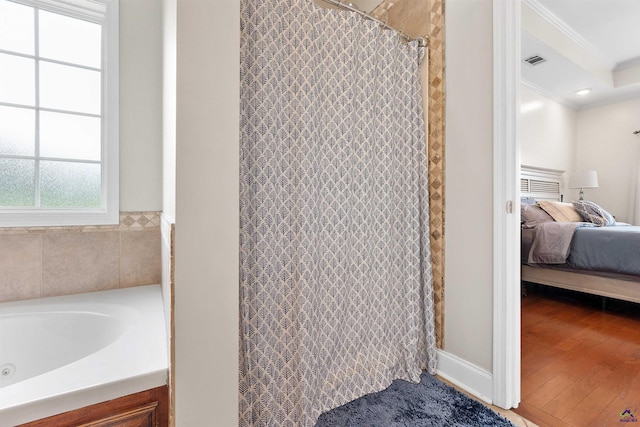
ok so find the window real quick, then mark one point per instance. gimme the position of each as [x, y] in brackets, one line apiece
[58, 112]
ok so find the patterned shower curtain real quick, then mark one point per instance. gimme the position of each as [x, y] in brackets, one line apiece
[336, 291]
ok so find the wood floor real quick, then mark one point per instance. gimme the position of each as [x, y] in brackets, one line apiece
[580, 365]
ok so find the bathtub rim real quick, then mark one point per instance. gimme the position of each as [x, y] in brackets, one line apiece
[145, 374]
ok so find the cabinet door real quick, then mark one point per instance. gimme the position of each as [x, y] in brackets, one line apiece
[144, 416]
[148, 408]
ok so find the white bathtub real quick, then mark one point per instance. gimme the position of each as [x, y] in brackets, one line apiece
[63, 353]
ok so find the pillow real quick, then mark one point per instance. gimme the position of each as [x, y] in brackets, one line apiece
[532, 215]
[560, 211]
[528, 201]
[591, 212]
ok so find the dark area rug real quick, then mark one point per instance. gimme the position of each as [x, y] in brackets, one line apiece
[428, 403]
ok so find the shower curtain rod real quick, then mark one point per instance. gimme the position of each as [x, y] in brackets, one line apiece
[422, 41]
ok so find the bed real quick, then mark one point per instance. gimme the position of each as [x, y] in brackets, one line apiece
[599, 259]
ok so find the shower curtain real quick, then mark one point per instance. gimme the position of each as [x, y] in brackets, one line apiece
[336, 292]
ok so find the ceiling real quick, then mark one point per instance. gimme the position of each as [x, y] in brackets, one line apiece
[587, 44]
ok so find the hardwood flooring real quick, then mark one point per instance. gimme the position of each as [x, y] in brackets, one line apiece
[580, 364]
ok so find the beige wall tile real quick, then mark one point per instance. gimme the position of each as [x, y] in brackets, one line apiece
[80, 262]
[140, 257]
[20, 266]
[45, 261]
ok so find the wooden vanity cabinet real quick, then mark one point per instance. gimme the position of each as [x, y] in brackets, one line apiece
[149, 408]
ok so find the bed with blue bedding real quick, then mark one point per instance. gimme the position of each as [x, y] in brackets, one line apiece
[580, 253]
[612, 249]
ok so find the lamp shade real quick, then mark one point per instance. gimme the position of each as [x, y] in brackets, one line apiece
[583, 179]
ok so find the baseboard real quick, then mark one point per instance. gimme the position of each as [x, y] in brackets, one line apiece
[470, 378]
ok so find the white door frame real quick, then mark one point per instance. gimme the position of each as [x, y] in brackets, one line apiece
[506, 205]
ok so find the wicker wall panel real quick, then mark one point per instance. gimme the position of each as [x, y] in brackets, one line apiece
[436, 154]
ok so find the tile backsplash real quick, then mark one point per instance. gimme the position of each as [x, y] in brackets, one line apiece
[37, 262]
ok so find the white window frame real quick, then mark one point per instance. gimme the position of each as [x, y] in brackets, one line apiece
[104, 12]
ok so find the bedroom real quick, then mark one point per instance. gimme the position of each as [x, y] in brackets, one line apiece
[594, 46]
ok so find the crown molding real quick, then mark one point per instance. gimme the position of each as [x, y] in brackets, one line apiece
[629, 63]
[569, 32]
[587, 106]
[610, 101]
[548, 94]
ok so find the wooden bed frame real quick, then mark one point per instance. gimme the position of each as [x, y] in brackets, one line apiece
[547, 184]
[626, 290]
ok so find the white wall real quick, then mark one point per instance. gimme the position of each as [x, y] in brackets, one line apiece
[606, 144]
[469, 181]
[207, 213]
[140, 105]
[557, 137]
[169, 65]
[547, 132]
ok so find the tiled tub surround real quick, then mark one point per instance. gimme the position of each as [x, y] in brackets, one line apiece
[40, 262]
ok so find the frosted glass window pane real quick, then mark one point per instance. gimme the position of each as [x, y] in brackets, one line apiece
[16, 27]
[17, 80]
[70, 40]
[17, 131]
[71, 185]
[69, 88]
[69, 136]
[17, 183]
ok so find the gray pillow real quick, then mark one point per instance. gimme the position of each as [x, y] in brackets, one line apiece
[593, 213]
[532, 215]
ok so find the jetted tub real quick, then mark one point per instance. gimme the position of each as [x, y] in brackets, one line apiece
[62, 353]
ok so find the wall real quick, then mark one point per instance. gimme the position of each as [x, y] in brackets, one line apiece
[48, 261]
[207, 213]
[557, 137]
[547, 132]
[140, 105]
[469, 177]
[169, 108]
[606, 144]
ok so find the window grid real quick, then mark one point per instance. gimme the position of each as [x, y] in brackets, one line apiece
[38, 109]
[104, 124]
